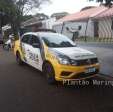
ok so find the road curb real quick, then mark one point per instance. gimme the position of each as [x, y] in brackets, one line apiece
[94, 42]
[106, 77]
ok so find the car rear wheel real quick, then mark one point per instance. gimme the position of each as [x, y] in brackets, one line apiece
[18, 59]
[49, 72]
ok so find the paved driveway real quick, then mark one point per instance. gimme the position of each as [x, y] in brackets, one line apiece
[105, 54]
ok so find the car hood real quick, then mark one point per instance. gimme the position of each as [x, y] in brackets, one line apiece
[75, 53]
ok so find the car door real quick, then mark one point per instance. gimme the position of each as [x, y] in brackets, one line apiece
[35, 52]
[25, 47]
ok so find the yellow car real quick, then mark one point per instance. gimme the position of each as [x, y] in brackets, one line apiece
[56, 56]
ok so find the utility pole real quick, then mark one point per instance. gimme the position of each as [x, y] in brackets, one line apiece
[63, 25]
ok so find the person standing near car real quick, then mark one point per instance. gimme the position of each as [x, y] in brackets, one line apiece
[75, 32]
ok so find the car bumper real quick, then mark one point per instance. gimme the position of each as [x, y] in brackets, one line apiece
[75, 73]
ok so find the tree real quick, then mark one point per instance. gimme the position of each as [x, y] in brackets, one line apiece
[4, 12]
[24, 6]
[16, 9]
[104, 2]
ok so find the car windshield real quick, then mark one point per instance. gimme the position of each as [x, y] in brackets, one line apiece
[56, 41]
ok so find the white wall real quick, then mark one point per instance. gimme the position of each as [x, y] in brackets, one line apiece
[48, 23]
[57, 28]
[105, 28]
[90, 29]
[75, 25]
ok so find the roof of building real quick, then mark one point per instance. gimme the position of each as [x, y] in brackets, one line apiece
[84, 15]
[31, 21]
[106, 13]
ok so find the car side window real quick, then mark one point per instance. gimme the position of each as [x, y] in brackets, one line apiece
[34, 39]
[26, 38]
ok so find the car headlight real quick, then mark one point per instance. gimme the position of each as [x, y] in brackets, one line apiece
[63, 60]
[73, 62]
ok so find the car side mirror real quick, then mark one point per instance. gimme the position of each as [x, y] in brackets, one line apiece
[36, 45]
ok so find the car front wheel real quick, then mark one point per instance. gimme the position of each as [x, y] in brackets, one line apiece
[48, 70]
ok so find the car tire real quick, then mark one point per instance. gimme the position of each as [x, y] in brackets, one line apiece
[18, 59]
[48, 70]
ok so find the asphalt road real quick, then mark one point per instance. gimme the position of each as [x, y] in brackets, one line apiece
[24, 89]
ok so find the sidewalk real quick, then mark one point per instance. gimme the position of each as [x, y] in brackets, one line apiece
[104, 52]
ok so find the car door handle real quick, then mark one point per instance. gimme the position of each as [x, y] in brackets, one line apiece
[28, 50]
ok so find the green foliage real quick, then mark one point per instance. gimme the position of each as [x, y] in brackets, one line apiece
[104, 2]
[15, 10]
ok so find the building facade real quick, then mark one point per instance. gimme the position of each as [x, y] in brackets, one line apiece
[95, 22]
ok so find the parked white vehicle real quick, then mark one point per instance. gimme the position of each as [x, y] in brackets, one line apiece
[9, 43]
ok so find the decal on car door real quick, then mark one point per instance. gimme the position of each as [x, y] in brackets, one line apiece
[23, 51]
[34, 57]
